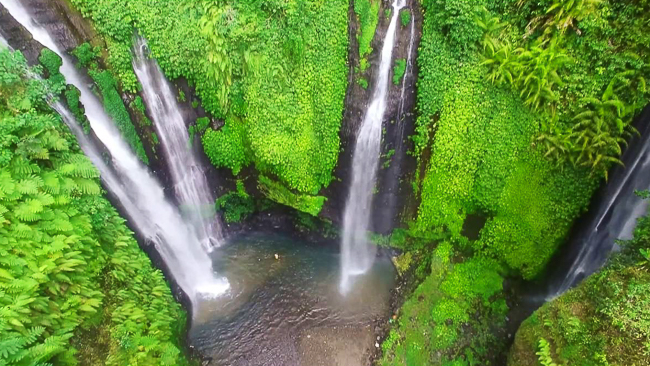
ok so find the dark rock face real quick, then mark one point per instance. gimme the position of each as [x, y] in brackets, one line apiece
[18, 37]
[392, 204]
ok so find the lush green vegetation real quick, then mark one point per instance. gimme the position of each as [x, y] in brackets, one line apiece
[236, 205]
[274, 71]
[604, 321]
[398, 70]
[482, 161]
[74, 285]
[522, 108]
[405, 17]
[450, 314]
[367, 12]
[107, 86]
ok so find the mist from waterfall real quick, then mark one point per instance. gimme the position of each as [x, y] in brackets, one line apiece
[190, 184]
[137, 191]
[357, 254]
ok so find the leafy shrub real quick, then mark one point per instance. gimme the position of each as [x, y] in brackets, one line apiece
[280, 68]
[455, 20]
[227, 146]
[561, 15]
[533, 71]
[86, 54]
[481, 160]
[237, 205]
[52, 62]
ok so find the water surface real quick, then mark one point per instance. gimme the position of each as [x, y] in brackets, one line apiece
[288, 311]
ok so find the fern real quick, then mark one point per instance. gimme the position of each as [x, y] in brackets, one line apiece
[62, 245]
[544, 353]
[28, 210]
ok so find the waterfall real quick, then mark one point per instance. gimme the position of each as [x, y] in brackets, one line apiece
[357, 254]
[135, 188]
[407, 72]
[190, 184]
[615, 217]
[393, 175]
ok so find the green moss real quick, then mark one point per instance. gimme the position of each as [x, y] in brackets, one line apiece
[280, 194]
[114, 107]
[367, 12]
[405, 17]
[398, 70]
[439, 320]
[72, 95]
[403, 262]
[363, 83]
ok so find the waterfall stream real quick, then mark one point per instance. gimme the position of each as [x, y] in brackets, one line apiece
[138, 192]
[190, 184]
[614, 218]
[407, 73]
[357, 254]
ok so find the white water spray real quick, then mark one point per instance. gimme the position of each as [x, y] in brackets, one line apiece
[190, 184]
[357, 254]
[138, 192]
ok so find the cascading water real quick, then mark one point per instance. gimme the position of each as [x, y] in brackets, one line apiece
[615, 218]
[393, 175]
[357, 254]
[138, 192]
[407, 73]
[190, 184]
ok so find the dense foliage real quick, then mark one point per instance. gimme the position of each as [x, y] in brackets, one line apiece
[236, 205]
[74, 285]
[274, 71]
[367, 12]
[482, 161]
[522, 108]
